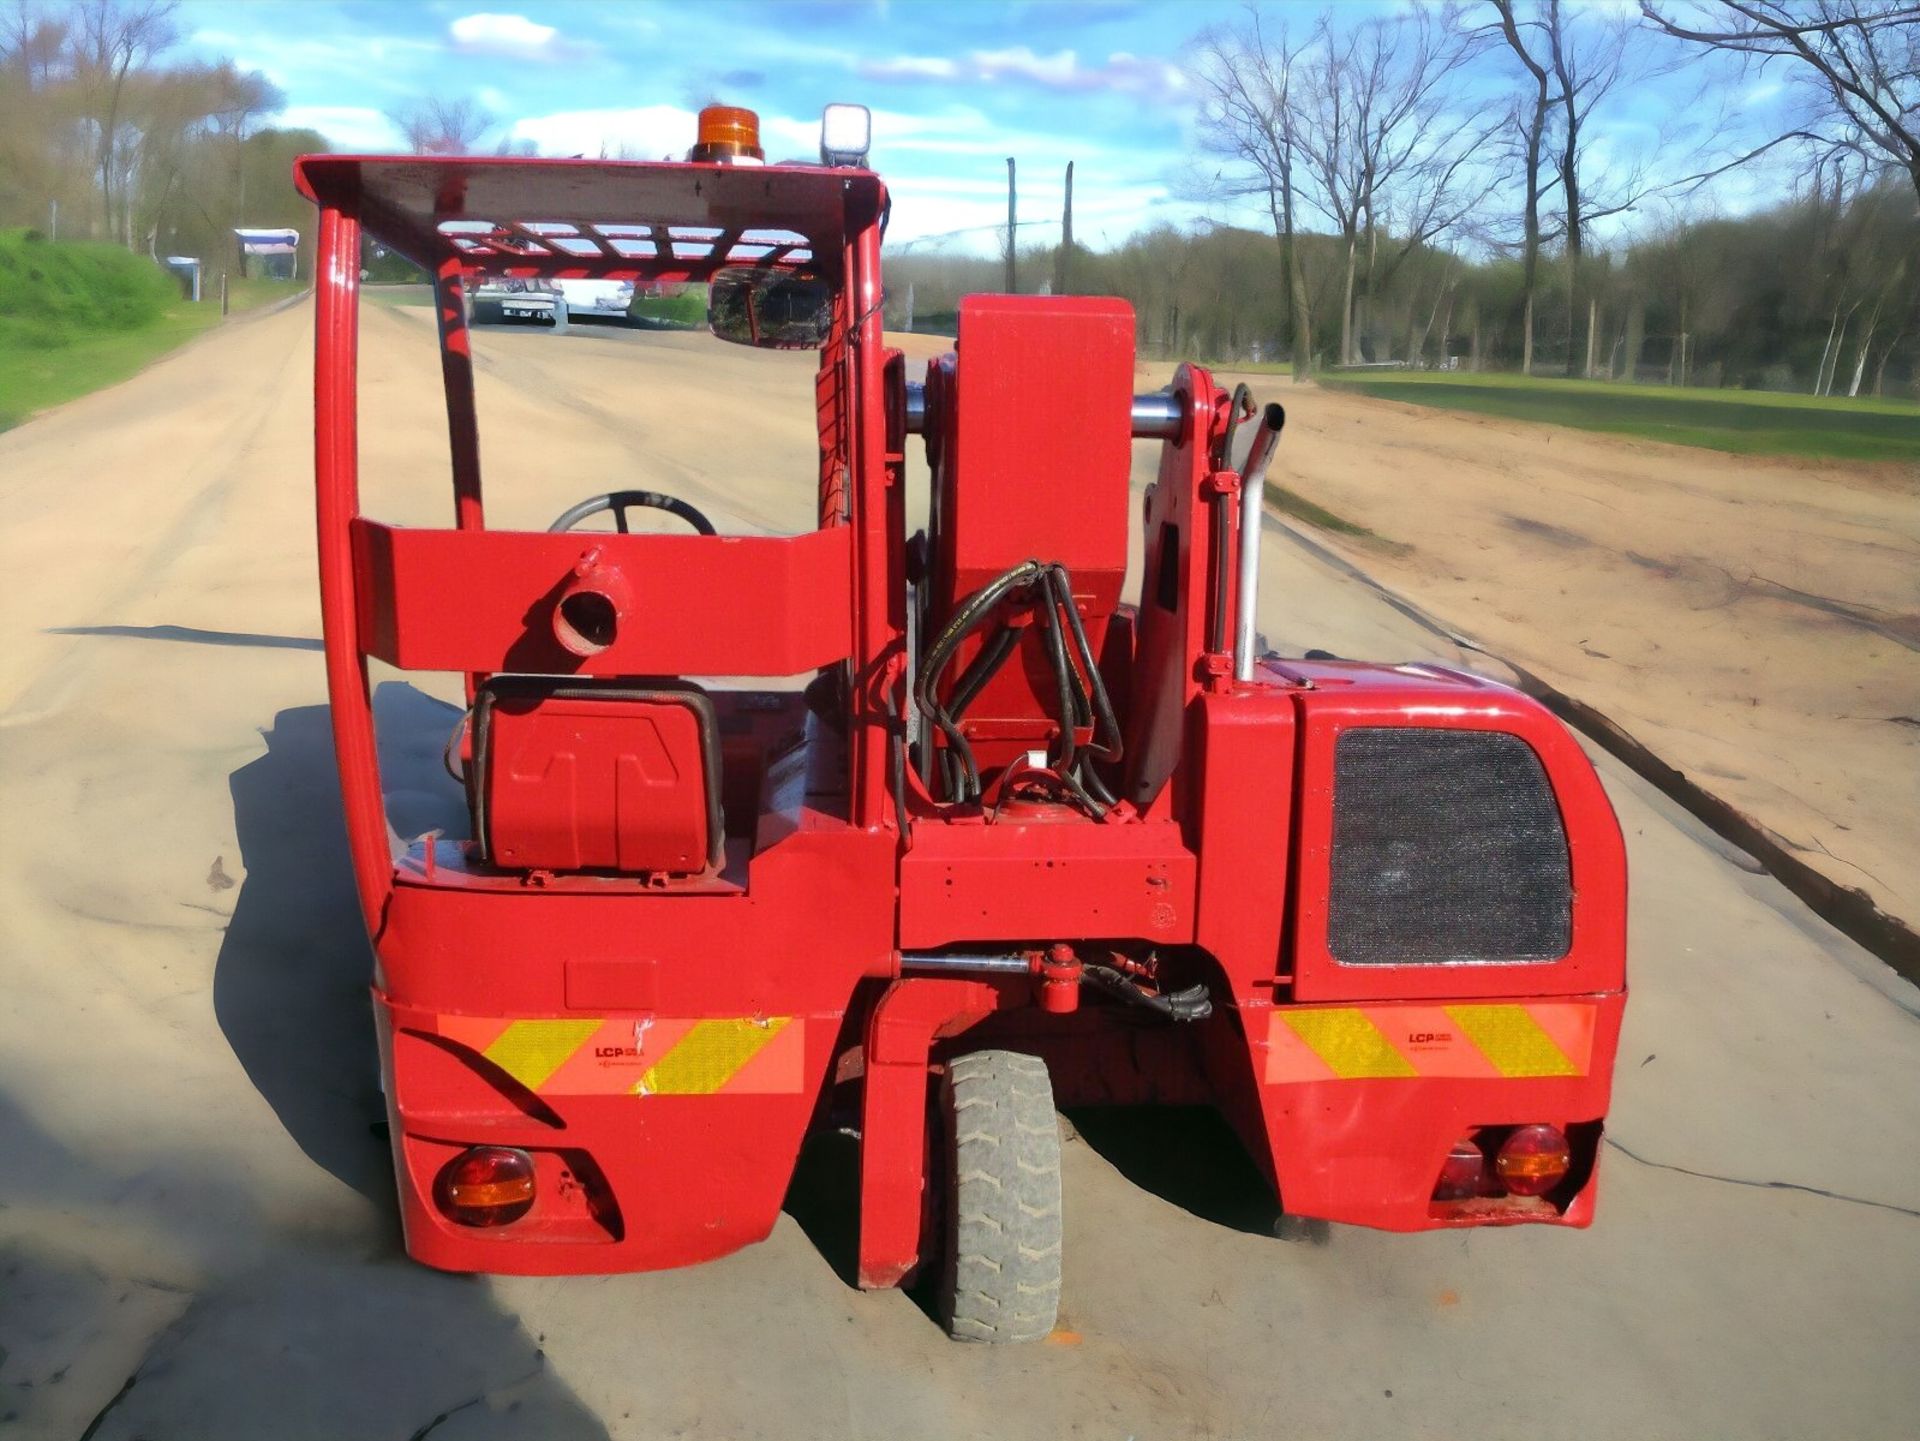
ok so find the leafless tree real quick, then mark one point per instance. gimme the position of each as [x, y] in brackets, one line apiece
[1589, 60]
[1530, 118]
[442, 127]
[1377, 140]
[1247, 117]
[33, 43]
[1855, 62]
[109, 41]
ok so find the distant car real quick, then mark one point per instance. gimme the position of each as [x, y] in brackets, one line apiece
[502, 299]
[602, 298]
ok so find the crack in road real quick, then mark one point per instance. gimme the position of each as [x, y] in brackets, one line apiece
[1824, 1194]
[472, 1401]
[100, 1416]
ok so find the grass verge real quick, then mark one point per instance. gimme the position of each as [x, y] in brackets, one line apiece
[389, 294]
[1740, 422]
[76, 318]
[1282, 501]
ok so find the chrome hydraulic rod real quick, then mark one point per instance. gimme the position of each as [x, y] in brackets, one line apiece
[1153, 417]
[1009, 963]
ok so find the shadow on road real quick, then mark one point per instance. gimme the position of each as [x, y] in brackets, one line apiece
[1186, 1155]
[147, 1293]
[290, 986]
[193, 635]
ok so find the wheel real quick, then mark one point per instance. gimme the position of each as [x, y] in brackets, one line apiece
[1000, 1275]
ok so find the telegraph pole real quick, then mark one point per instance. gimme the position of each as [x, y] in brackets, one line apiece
[1065, 258]
[1010, 223]
[1011, 277]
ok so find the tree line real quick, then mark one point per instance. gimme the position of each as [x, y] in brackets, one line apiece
[1433, 187]
[105, 136]
[1816, 294]
[1452, 152]
[1432, 180]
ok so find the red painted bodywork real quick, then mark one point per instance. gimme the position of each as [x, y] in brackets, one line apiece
[661, 1039]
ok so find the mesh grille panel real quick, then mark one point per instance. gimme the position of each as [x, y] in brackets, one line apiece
[1447, 846]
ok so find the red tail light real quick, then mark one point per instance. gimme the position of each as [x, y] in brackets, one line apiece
[1464, 1172]
[486, 1186]
[1533, 1161]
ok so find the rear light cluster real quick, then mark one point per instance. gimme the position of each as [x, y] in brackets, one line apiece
[486, 1186]
[1531, 1161]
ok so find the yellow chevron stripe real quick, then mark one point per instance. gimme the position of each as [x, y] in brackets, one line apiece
[1512, 1040]
[1350, 1044]
[709, 1056]
[530, 1051]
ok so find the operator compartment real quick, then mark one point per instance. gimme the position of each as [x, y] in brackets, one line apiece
[636, 717]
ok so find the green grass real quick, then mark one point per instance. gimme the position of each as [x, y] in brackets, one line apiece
[1743, 422]
[420, 295]
[76, 316]
[686, 309]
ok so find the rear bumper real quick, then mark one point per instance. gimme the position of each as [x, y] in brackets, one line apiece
[1367, 1149]
[626, 1180]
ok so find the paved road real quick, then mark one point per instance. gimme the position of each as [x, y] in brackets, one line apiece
[197, 1238]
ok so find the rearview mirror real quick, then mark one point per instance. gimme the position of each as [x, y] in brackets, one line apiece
[772, 309]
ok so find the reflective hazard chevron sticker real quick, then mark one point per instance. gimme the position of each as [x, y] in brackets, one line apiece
[1487, 1042]
[640, 1056]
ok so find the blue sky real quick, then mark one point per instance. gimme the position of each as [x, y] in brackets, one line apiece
[955, 87]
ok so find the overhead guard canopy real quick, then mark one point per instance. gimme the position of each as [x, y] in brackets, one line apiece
[597, 219]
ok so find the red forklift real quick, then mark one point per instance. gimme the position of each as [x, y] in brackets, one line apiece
[986, 835]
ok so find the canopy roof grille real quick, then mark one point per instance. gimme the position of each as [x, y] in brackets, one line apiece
[598, 218]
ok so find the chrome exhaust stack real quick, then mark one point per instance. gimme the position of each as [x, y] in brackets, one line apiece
[1253, 499]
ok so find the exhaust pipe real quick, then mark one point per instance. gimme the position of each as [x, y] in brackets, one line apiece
[586, 616]
[1253, 499]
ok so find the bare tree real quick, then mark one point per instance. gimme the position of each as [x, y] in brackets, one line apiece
[37, 160]
[1247, 116]
[1530, 119]
[1857, 64]
[1377, 140]
[442, 127]
[1588, 61]
[109, 41]
[32, 43]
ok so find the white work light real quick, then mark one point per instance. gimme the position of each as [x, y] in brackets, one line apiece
[846, 132]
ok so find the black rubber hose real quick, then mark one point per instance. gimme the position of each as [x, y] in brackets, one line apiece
[1101, 703]
[897, 767]
[1056, 648]
[1192, 1004]
[985, 667]
[972, 611]
[1222, 578]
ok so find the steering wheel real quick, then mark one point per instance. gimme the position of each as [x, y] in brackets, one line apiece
[618, 501]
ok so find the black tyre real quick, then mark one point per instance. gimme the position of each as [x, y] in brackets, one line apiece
[1000, 1275]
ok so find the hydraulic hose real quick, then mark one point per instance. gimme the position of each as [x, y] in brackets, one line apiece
[1080, 693]
[1191, 1004]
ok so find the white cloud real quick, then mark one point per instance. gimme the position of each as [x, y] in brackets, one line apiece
[357, 129]
[640, 132]
[512, 37]
[945, 169]
[1062, 71]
